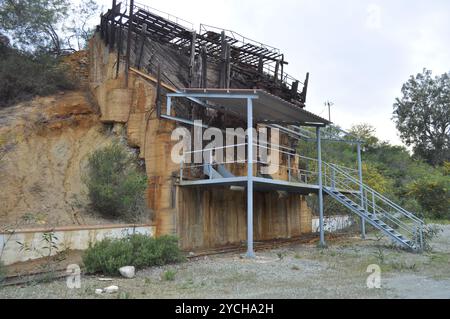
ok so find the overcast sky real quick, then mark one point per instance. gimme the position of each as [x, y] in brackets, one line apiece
[358, 52]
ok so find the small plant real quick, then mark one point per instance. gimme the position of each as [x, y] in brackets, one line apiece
[430, 232]
[379, 255]
[169, 275]
[404, 266]
[124, 295]
[108, 255]
[49, 252]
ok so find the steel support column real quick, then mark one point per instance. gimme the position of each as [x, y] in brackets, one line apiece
[250, 250]
[361, 190]
[319, 163]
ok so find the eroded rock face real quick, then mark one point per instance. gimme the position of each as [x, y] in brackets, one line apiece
[44, 145]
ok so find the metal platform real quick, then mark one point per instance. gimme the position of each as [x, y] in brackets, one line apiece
[260, 184]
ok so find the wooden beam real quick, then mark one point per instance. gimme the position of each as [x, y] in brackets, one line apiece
[228, 66]
[158, 93]
[113, 27]
[204, 58]
[192, 60]
[130, 33]
[143, 38]
[154, 80]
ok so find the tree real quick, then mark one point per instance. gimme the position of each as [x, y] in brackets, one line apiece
[33, 24]
[45, 25]
[79, 29]
[422, 116]
[366, 133]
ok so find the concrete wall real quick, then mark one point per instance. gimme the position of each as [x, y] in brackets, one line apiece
[73, 238]
[333, 223]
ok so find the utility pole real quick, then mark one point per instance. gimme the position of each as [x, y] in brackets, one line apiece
[329, 105]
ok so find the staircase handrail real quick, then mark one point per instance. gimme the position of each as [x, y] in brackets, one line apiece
[381, 197]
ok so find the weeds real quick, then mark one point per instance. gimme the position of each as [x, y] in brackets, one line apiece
[169, 275]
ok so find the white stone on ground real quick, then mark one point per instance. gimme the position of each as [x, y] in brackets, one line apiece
[128, 272]
[111, 289]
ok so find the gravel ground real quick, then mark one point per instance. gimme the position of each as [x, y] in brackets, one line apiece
[298, 271]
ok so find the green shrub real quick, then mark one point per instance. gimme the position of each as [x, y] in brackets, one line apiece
[116, 186]
[433, 195]
[25, 75]
[108, 255]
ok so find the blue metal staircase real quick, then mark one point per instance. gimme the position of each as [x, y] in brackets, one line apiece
[403, 227]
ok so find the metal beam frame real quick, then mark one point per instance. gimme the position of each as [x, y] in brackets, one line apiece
[214, 95]
[361, 190]
[319, 159]
[250, 249]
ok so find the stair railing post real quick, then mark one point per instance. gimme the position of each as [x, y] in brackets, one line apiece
[373, 204]
[333, 177]
[289, 167]
[181, 170]
[319, 161]
[421, 236]
[361, 190]
[210, 165]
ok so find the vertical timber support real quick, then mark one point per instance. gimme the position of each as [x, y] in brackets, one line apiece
[119, 48]
[204, 58]
[141, 50]
[305, 88]
[192, 60]
[361, 190]
[228, 67]
[275, 77]
[158, 94]
[130, 33]
[250, 250]
[113, 26]
[319, 163]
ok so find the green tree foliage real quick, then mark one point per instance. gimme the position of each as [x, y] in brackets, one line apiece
[115, 184]
[365, 132]
[433, 194]
[47, 25]
[422, 116]
[79, 30]
[108, 255]
[375, 180]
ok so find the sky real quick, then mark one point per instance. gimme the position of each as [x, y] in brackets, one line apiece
[359, 53]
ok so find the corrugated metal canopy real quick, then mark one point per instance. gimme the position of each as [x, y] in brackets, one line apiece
[267, 108]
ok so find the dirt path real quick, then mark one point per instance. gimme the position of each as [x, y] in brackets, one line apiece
[299, 271]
